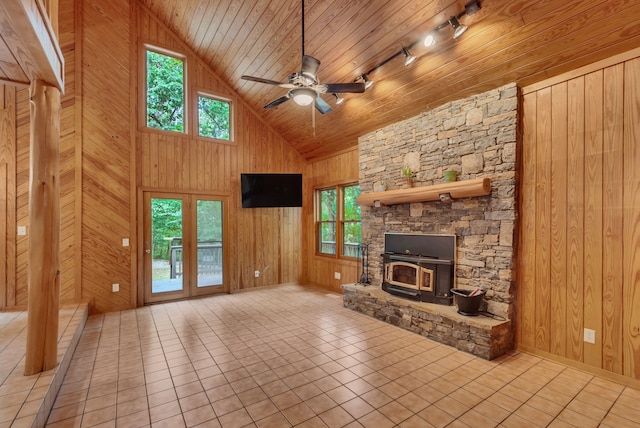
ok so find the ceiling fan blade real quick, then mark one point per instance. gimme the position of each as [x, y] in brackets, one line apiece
[309, 66]
[276, 103]
[338, 88]
[322, 106]
[261, 80]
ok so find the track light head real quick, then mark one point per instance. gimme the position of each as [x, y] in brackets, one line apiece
[472, 7]
[367, 83]
[408, 57]
[458, 29]
[430, 39]
[339, 99]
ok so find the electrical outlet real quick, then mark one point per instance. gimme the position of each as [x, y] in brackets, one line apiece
[115, 287]
[125, 242]
[257, 274]
[589, 335]
[336, 275]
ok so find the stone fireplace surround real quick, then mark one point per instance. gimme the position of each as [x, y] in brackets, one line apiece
[476, 137]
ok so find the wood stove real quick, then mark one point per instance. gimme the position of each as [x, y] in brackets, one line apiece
[419, 267]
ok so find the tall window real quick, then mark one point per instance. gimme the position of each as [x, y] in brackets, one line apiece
[214, 118]
[165, 92]
[339, 221]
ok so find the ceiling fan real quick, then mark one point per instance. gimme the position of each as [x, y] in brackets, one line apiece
[304, 86]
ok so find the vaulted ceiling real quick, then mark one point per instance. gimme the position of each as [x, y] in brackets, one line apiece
[521, 41]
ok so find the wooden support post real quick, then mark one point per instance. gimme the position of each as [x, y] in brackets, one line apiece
[44, 230]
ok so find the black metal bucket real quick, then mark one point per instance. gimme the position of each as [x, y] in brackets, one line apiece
[467, 305]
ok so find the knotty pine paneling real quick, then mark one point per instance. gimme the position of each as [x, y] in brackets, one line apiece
[579, 257]
[266, 239]
[106, 145]
[7, 196]
[631, 221]
[340, 169]
[16, 153]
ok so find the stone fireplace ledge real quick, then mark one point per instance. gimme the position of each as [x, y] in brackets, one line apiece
[481, 336]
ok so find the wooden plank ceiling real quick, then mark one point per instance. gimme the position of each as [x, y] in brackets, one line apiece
[517, 40]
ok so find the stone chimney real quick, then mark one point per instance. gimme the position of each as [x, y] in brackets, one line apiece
[476, 137]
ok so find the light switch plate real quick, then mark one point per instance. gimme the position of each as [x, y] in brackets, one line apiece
[115, 287]
[22, 230]
[125, 242]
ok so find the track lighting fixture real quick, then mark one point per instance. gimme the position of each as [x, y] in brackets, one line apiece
[303, 96]
[339, 99]
[458, 30]
[430, 39]
[408, 57]
[367, 83]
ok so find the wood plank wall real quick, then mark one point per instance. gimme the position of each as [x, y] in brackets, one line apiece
[259, 238]
[579, 255]
[105, 160]
[340, 169]
[16, 153]
[106, 148]
[7, 197]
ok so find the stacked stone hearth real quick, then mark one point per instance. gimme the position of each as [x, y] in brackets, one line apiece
[476, 137]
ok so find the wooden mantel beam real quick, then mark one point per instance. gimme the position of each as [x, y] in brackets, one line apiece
[44, 230]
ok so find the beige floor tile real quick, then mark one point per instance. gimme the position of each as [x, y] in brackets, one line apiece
[577, 419]
[135, 419]
[341, 394]
[176, 421]
[227, 405]
[533, 415]
[276, 420]
[395, 412]
[436, 416]
[199, 415]
[101, 416]
[321, 403]
[336, 417]
[262, 409]
[239, 418]
[164, 411]
[132, 406]
[256, 358]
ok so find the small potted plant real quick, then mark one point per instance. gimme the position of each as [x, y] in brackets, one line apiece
[408, 175]
[381, 186]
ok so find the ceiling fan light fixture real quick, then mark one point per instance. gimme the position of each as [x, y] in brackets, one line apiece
[303, 96]
[409, 58]
[339, 99]
[458, 29]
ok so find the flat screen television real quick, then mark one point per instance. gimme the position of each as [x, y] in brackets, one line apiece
[271, 190]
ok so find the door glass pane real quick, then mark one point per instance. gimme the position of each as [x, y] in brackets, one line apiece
[209, 230]
[166, 245]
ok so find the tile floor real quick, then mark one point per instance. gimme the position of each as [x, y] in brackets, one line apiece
[293, 356]
[25, 401]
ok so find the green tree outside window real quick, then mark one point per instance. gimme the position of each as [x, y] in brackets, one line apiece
[165, 92]
[214, 118]
[339, 221]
